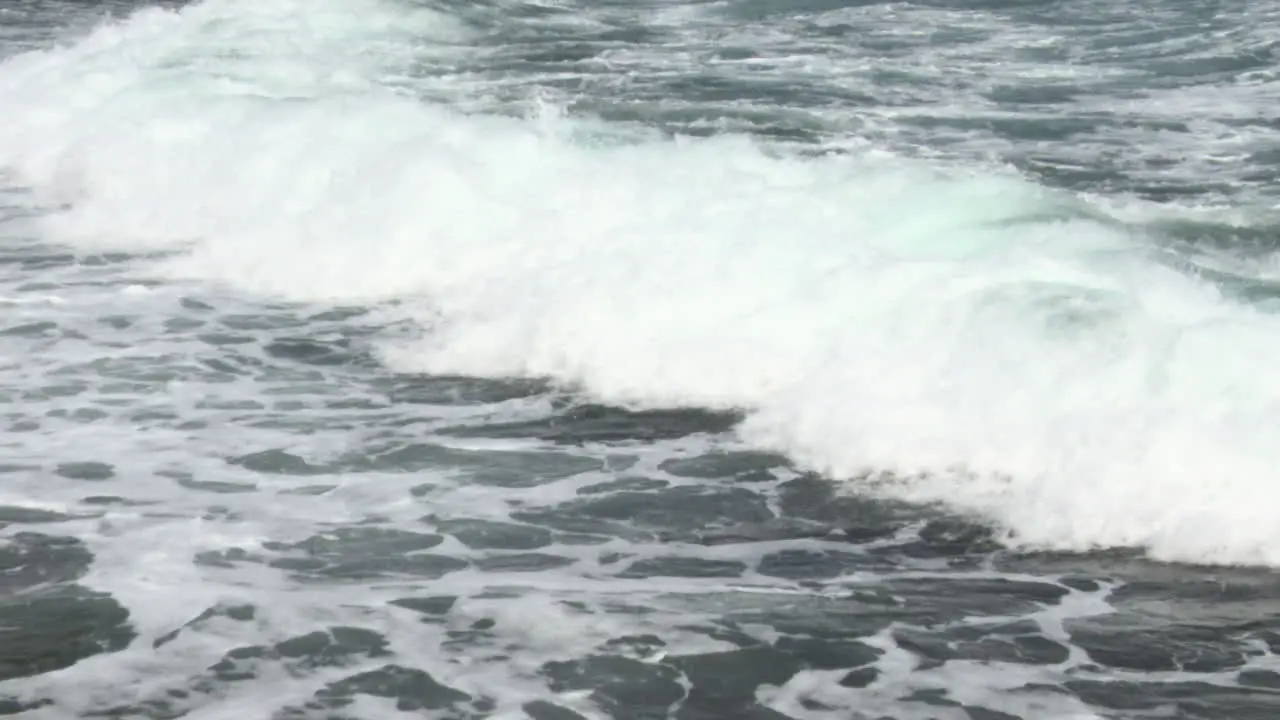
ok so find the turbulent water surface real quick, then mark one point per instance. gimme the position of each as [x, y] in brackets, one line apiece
[640, 359]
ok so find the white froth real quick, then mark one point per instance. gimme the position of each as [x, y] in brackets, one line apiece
[1000, 348]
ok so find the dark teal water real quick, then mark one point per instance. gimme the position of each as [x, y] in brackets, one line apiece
[648, 359]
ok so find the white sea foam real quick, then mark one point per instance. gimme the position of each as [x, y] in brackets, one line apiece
[998, 347]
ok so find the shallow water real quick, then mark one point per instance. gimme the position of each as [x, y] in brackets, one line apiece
[738, 359]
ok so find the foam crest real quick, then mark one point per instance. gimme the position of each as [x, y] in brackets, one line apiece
[992, 345]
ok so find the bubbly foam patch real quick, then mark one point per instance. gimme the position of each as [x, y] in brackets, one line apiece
[992, 345]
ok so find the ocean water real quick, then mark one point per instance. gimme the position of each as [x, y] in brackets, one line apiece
[640, 359]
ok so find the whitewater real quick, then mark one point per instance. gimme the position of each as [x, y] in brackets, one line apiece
[1010, 269]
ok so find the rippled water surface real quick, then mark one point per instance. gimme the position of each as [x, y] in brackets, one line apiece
[643, 359]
